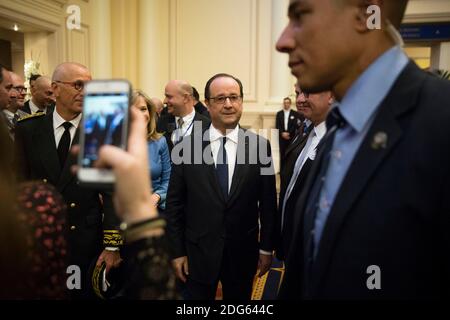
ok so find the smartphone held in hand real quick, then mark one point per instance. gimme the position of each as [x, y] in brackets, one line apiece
[105, 121]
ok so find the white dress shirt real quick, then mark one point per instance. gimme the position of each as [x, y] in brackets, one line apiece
[58, 128]
[9, 115]
[308, 152]
[230, 147]
[186, 128]
[34, 108]
[286, 118]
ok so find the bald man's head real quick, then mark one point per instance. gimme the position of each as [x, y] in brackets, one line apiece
[68, 83]
[179, 99]
[42, 95]
[66, 70]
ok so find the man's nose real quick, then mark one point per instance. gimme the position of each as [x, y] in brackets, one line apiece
[286, 41]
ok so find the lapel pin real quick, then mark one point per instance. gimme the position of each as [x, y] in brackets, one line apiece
[379, 141]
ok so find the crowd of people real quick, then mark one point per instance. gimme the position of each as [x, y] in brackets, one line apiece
[362, 211]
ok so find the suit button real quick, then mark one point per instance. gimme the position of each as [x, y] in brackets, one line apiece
[44, 180]
[73, 205]
[72, 227]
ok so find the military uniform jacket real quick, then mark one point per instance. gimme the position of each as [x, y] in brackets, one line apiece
[89, 212]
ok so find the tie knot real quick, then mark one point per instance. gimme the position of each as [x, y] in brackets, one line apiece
[180, 122]
[308, 129]
[224, 140]
[67, 125]
[335, 118]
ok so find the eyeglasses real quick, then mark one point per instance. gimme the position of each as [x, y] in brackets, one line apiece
[20, 89]
[222, 99]
[78, 85]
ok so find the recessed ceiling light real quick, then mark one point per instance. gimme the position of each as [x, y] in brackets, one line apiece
[16, 27]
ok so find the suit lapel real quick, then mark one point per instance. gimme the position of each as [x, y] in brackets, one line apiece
[298, 140]
[44, 139]
[66, 174]
[239, 168]
[368, 159]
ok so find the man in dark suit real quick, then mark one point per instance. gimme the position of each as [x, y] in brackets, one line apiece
[374, 218]
[221, 197]
[198, 105]
[287, 121]
[12, 111]
[181, 117]
[298, 160]
[43, 144]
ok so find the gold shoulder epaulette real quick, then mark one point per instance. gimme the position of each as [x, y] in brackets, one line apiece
[30, 116]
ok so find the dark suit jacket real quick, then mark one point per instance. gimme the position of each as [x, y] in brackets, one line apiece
[26, 107]
[87, 217]
[292, 153]
[201, 223]
[166, 125]
[392, 209]
[200, 108]
[293, 125]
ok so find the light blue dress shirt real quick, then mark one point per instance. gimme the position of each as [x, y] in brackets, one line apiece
[358, 107]
[159, 160]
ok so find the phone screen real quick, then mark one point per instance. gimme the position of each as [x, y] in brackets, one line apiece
[104, 117]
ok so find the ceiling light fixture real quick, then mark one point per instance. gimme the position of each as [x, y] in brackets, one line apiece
[16, 27]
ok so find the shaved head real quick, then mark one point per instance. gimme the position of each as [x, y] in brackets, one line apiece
[64, 71]
[42, 83]
[183, 86]
[179, 98]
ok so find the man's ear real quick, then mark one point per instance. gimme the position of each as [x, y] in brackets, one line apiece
[368, 15]
[207, 104]
[55, 89]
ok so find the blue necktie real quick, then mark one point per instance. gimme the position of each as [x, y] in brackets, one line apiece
[222, 167]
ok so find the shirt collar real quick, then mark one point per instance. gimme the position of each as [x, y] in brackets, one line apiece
[8, 114]
[58, 120]
[369, 90]
[320, 129]
[215, 134]
[34, 108]
[187, 118]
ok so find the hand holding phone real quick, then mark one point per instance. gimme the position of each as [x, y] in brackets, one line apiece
[105, 122]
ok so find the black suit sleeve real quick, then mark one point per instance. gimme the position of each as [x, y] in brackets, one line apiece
[20, 159]
[279, 122]
[267, 199]
[112, 236]
[293, 124]
[175, 201]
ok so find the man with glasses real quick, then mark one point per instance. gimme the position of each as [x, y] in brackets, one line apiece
[42, 97]
[218, 199]
[299, 157]
[17, 95]
[43, 144]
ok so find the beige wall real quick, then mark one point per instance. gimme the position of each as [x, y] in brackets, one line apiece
[152, 41]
